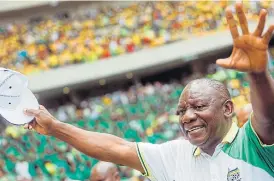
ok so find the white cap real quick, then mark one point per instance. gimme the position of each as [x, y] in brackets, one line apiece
[15, 97]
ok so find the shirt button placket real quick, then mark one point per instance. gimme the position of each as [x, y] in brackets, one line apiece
[214, 171]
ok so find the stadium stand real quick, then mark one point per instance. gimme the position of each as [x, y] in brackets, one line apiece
[102, 33]
[142, 113]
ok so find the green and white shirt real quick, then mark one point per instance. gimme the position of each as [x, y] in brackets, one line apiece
[240, 157]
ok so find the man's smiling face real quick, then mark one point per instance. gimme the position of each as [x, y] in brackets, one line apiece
[202, 112]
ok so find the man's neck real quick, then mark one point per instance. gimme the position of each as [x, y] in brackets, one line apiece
[211, 146]
[210, 149]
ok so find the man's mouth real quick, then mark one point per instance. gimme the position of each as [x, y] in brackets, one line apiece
[194, 129]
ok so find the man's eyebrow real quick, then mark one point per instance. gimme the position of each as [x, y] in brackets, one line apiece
[203, 101]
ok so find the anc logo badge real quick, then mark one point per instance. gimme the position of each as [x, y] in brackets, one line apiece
[233, 175]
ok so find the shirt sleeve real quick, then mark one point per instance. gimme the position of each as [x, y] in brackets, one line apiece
[256, 153]
[159, 160]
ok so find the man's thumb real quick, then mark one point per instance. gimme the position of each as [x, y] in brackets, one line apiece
[31, 112]
[225, 63]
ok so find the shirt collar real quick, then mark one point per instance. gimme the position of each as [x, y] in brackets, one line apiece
[229, 138]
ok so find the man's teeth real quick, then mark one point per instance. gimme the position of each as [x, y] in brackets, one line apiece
[199, 127]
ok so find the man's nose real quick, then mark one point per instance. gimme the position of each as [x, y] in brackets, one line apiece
[189, 116]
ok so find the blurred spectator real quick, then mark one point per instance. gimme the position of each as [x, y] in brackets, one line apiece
[105, 171]
[243, 114]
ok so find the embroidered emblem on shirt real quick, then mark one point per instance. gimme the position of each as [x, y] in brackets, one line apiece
[234, 175]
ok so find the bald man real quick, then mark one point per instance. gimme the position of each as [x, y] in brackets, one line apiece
[105, 171]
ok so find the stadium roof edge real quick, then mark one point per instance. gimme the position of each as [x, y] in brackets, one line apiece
[182, 52]
[18, 5]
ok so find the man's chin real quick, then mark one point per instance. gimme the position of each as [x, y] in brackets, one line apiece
[198, 142]
[198, 138]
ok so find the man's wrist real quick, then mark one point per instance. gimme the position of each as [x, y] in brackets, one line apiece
[258, 76]
[55, 128]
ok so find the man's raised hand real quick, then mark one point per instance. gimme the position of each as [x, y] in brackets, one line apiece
[249, 49]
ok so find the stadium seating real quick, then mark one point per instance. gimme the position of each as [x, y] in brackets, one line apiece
[143, 113]
[107, 32]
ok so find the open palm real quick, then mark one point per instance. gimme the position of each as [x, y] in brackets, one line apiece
[250, 50]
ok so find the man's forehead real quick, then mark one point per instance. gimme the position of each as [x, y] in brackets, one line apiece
[198, 91]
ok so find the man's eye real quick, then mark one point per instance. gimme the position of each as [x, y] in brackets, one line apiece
[200, 107]
[181, 112]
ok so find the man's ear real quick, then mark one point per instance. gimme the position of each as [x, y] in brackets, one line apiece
[228, 108]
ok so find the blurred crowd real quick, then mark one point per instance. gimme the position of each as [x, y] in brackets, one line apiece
[142, 113]
[96, 34]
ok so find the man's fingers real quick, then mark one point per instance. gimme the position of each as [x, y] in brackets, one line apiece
[31, 112]
[225, 63]
[267, 36]
[33, 124]
[28, 126]
[260, 27]
[42, 107]
[242, 18]
[232, 24]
